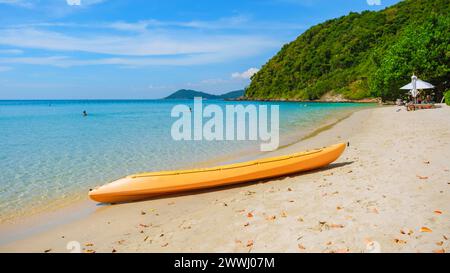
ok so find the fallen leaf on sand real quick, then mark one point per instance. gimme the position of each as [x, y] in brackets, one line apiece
[249, 215]
[283, 214]
[300, 246]
[329, 243]
[336, 226]
[339, 207]
[445, 237]
[47, 250]
[425, 229]
[300, 219]
[146, 238]
[238, 241]
[88, 244]
[114, 250]
[289, 189]
[439, 250]
[89, 251]
[270, 218]
[398, 241]
[143, 213]
[439, 243]
[143, 225]
[164, 245]
[249, 243]
[438, 212]
[426, 162]
[422, 177]
[246, 224]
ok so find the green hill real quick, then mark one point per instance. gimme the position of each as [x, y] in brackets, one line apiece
[191, 94]
[233, 94]
[362, 55]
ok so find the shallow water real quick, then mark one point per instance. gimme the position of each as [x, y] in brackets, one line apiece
[50, 154]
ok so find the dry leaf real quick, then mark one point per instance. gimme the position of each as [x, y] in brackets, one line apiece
[300, 246]
[283, 214]
[339, 207]
[438, 212]
[269, 218]
[439, 250]
[445, 237]
[426, 162]
[89, 251]
[249, 215]
[336, 226]
[146, 238]
[89, 244]
[422, 177]
[164, 245]
[398, 241]
[425, 229]
[246, 224]
[143, 225]
[143, 213]
[47, 250]
[114, 250]
[439, 243]
[249, 243]
[289, 189]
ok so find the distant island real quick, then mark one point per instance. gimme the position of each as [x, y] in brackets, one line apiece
[362, 55]
[190, 94]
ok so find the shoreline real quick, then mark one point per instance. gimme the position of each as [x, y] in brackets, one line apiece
[365, 100]
[375, 200]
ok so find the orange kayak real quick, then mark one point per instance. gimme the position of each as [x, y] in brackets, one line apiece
[145, 185]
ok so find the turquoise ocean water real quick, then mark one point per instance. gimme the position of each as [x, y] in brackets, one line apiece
[50, 154]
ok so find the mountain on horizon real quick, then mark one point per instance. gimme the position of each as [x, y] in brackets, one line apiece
[191, 94]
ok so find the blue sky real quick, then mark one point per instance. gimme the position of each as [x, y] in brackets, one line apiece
[140, 49]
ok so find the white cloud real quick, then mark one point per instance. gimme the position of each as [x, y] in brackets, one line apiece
[374, 2]
[164, 48]
[246, 74]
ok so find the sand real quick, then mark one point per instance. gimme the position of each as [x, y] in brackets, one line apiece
[389, 192]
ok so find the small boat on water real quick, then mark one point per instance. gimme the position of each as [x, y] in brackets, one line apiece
[146, 185]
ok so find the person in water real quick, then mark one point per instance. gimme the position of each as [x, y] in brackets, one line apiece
[85, 113]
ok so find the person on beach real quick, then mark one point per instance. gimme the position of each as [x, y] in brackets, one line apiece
[85, 113]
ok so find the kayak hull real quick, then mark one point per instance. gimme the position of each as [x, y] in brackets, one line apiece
[146, 185]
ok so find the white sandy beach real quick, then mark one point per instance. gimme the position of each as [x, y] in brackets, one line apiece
[389, 192]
